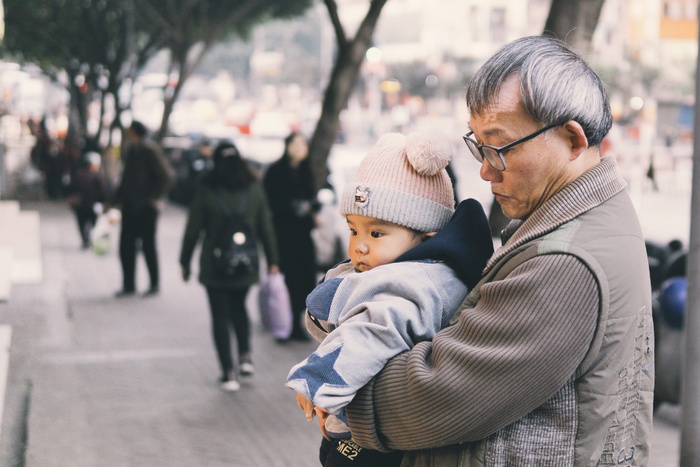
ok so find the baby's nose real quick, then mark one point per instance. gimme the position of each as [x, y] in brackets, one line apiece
[361, 247]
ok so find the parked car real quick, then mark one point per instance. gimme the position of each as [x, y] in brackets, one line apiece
[667, 269]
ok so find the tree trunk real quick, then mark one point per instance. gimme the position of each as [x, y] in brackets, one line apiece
[574, 22]
[77, 108]
[336, 97]
[185, 70]
[343, 79]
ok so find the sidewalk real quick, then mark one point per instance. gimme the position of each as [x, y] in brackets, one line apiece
[132, 382]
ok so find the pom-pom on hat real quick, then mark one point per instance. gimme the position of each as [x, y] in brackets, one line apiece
[403, 180]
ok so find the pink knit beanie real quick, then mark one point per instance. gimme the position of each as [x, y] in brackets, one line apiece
[403, 180]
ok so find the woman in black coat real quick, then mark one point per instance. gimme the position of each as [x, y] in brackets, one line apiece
[229, 187]
[292, 196]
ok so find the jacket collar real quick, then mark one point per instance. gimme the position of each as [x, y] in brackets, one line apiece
[465, 243]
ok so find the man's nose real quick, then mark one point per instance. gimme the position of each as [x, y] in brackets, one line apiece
[487, 172]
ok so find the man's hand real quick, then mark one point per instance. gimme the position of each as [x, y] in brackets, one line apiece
[307, 406]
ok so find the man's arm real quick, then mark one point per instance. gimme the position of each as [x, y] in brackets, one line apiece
[162, 172]
[504, 358]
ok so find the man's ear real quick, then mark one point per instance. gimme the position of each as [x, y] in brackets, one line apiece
[576, 137]
[427, 235]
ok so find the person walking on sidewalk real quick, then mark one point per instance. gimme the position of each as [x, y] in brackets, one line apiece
[551, 359]
[86, 194]
[290, 190]
[145, 179]
[230, 186]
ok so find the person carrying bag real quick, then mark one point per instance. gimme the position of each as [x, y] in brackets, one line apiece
[229, 204]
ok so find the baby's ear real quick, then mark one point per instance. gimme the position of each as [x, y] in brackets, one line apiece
[427, 235]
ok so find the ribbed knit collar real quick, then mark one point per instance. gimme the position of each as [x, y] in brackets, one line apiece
[586, 192]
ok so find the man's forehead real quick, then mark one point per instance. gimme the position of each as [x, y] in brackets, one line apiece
[488, 131]
[505, 109]
[507, 96]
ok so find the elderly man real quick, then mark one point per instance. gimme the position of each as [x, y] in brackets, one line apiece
[550, 359]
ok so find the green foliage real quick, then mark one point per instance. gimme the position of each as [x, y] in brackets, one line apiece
[98, 40]
[63, 34]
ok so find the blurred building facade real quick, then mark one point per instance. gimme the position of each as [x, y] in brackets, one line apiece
[652, 44]
[645, 50]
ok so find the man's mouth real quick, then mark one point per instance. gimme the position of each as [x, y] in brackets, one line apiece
[499, 197]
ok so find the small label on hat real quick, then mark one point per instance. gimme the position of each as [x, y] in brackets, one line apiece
[361, 197]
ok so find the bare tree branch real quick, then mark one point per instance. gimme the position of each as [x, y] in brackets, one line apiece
[340, 37]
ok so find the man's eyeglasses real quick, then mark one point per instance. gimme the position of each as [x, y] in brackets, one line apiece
[494, 154]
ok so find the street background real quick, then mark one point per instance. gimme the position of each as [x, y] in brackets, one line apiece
[95, 380]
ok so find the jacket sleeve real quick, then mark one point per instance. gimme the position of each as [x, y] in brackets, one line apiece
[194, 227]
[117, 197]
[264, 226]
[162, 173]
[277, 199]
[378, 316]
[100, 188]
[502, 359]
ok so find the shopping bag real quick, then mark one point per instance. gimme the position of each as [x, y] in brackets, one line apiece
[102, 235]
[275, 306]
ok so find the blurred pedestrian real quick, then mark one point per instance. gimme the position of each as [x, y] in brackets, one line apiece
[292, 195]
[47, 157]
[145, 179]
[86, 194]
[651, 173]
[42, 142]
[199, 162]
[230, 187]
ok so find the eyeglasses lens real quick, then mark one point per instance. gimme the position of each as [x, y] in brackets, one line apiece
[493, 158]
[480, 153]
[474, 149]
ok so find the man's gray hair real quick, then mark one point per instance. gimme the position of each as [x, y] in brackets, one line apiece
[556, 85]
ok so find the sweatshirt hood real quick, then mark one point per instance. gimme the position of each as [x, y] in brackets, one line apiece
[465, 243]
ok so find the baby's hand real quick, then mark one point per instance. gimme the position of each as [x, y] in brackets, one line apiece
[322, 416]
[307, 406]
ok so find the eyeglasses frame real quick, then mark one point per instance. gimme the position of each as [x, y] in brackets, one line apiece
[499, 150]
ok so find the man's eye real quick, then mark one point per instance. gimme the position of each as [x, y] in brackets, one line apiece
[376, 234]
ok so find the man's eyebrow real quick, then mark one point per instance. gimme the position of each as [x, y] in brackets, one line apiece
[493, 132]
[489, 132]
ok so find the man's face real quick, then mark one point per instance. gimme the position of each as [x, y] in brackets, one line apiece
[374, 242]
[536, 168]
[131, 136]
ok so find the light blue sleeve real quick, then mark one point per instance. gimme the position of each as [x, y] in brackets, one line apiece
[380, 313]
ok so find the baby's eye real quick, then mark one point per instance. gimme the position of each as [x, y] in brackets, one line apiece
[353, 232]
[375, 234]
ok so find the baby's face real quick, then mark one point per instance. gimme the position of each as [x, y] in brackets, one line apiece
[374, 242]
